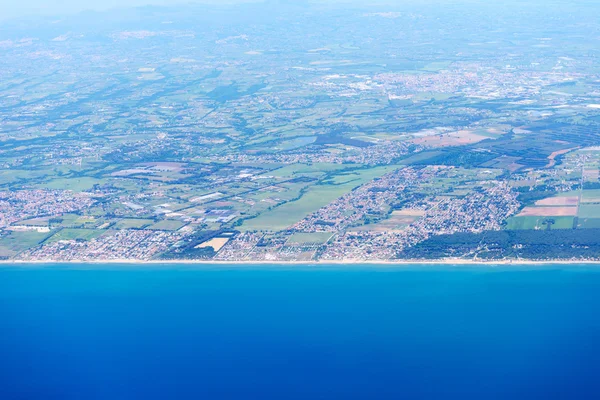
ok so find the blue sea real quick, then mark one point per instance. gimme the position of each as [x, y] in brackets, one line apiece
[246, 332]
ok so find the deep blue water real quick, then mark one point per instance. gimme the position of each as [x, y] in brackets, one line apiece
[313, 333]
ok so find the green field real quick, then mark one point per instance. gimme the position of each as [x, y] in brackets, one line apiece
[589, 211]
[133, 223]
[343, 178]
[14, 242]
[520, 223]
[75, 184]
[77, 221]
[86, 220]
[589, 223]
[10, 176]
[305, 169]
[44, 221]
[591, 194]
[572, 193]
[167, 225]
[295, 143]
[75, 234]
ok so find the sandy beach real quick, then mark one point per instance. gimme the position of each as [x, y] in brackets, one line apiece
[334, 263]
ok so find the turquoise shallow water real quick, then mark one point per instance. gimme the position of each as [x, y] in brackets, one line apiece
[116, 332]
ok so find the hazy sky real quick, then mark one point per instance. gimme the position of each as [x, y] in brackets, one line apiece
[20, 8]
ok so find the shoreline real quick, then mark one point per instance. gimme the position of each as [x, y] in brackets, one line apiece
[349, 263]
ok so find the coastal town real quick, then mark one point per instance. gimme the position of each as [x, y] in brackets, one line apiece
[375, 221]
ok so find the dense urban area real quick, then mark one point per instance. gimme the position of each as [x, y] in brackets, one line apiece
[301, 133]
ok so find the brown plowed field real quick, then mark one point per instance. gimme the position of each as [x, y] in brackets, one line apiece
[558, 201]
[548, 212]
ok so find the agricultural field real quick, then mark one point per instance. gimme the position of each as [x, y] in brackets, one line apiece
[13, 243]
[589, 211]
[548, 212]
[559, 201]
[75, 234]
[590, 196]
[450, 139]
[167, 225]
[133, 223]
[528, 222]
[216, 244]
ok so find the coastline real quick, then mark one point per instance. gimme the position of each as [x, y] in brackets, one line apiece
[336, 263]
